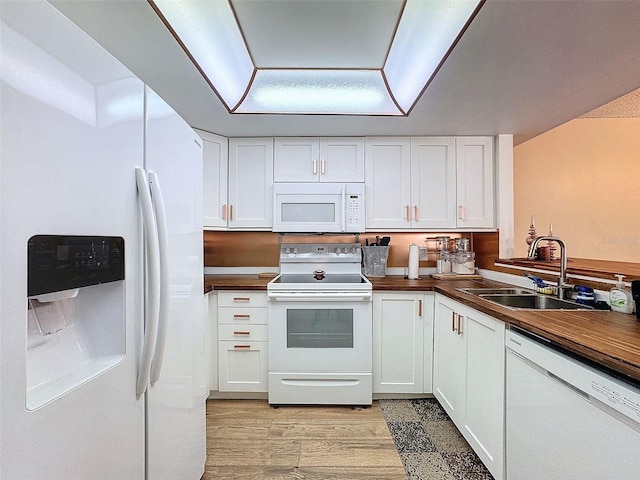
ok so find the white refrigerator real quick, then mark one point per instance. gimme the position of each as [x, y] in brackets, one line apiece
[107, 379]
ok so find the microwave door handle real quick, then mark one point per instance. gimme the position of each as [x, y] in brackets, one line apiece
[343, 192]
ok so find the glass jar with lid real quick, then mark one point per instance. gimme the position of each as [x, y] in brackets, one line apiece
[464, 263]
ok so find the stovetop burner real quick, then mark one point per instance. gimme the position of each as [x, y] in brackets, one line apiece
[320, 267]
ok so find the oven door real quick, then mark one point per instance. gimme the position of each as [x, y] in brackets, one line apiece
[321, 336]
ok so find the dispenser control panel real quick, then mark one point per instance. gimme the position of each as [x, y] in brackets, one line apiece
[63, 262]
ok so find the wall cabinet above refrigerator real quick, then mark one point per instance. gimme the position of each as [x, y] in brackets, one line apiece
[238, 185]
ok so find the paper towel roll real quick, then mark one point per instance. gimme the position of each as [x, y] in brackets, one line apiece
[414, 259]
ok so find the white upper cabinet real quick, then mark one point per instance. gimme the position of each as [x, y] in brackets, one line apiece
[215, 161]
[433, 182]
[475, 185]
[429, 183]
[388, 182]
[250, 205]
[311, 159]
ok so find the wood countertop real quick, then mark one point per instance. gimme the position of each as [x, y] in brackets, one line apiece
[235, 282]
[609, 339]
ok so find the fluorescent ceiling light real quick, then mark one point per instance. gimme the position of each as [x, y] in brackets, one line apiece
[360, 92]
[427, 30]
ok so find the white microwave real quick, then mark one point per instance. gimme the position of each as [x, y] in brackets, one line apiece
[318, 207]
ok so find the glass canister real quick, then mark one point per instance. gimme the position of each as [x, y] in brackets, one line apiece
[442, 243]
[464, 263]
[443, 262]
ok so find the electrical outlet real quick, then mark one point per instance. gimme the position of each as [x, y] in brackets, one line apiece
[424, 253]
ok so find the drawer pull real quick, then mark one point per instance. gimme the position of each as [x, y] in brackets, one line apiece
[241, 299]
[242, 333]
[241, 315]
[241, 347]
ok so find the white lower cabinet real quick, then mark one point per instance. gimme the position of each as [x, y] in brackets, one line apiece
[211, 338]
[242, 341]
[468, 377]
[402, 342]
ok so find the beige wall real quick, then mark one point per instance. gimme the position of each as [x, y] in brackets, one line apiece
[584, 177]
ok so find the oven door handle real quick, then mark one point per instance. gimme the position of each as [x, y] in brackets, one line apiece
[319, 296]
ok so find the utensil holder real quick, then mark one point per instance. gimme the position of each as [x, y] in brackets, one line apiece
[375, 260]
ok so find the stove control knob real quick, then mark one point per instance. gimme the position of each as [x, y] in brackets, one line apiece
[353, 250]
[294, 250]
[287, 250]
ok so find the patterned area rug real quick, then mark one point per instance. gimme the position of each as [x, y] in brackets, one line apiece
[428, 442]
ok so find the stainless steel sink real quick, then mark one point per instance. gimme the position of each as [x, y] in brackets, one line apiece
[497, 291]
[534, 302]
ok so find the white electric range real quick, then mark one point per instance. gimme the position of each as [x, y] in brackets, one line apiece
[320, 326]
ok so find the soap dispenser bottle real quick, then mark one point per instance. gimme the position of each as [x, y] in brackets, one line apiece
[620, 297]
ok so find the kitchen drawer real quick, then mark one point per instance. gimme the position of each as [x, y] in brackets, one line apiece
[243, 366]
[242, 299]
[242, 333]
[238, 316]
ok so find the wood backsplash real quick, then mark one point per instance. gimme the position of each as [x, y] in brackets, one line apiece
[261, 249]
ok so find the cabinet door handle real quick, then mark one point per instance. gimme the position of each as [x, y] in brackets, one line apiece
[453, 321]
[322, 166]
[460, 317]
[224, 211]
[461, 212]
[406, 213]
[415, 212]
[420, 308]
[230, 212]
[242, 346]
[315, 166]
[241, 333]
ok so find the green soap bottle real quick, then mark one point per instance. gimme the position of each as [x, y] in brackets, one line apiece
[620, 297]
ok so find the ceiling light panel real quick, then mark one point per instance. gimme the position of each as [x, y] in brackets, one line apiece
[427, 30]
[325, 34]
[209, 32]
[338, 92]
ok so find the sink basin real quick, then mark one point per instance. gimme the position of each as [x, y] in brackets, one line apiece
[497, 291]
[534, 302]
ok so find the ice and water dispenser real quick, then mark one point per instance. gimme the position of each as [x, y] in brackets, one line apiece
[76, 312]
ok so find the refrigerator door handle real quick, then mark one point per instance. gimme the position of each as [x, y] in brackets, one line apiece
[153, 281]
[163, 243]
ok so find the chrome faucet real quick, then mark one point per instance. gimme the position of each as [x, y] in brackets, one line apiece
[562, 279]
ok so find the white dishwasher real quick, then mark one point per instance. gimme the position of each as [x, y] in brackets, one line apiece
[566, 419]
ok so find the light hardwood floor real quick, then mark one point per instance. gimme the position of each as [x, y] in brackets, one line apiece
[248, 439]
